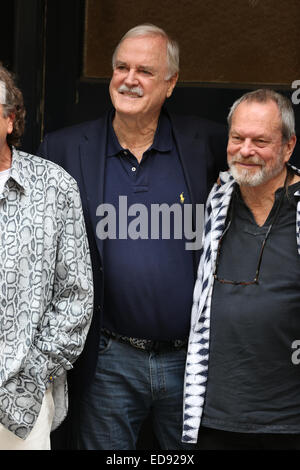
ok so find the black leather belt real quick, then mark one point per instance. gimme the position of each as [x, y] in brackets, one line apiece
[147, 344]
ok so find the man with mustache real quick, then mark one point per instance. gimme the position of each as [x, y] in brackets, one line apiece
[143, 287]
[242, 385]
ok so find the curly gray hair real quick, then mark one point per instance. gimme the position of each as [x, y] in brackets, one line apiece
[14, 105]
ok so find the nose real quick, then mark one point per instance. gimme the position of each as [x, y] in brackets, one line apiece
[246, 149]
[131, 78]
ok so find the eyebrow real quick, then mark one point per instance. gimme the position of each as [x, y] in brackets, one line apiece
[119, 62]
[258, 136]
[139, 67]
[146, 67]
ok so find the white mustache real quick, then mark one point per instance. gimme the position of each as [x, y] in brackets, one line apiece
[135, 89]
[248, 160]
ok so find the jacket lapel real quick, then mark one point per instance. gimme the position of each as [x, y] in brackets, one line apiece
[220, 205]
[92, 156]
[214, 227]
[192, 151]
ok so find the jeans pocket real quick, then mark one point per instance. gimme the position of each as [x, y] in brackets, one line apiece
[104, 344]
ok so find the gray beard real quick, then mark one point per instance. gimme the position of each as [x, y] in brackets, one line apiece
[248, 178]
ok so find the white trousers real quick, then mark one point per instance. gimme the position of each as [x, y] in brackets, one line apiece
[39, 438]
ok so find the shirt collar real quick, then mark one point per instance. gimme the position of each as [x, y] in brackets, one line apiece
[163, 141]
[17, 172]
[293, 190]
[296, 170]
[112, 146]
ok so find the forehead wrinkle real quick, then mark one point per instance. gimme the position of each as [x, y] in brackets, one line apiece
[150, 49]
[137, 66]
[246, 132]
[255, 125]
[257, 132]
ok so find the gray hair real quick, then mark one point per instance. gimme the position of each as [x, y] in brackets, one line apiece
[13, 104]
[149, 29]
[285, 109]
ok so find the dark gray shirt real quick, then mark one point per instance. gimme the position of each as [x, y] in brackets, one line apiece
[253, 386]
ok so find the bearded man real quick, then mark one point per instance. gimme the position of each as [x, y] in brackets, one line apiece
[241, 385]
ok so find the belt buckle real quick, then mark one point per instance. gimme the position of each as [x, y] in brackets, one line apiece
[138, 343]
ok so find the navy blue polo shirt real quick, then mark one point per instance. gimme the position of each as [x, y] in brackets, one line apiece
[148, 273]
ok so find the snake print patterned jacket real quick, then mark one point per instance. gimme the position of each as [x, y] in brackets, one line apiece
[46, 292]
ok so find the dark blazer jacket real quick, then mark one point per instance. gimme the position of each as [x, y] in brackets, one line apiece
[80, 149]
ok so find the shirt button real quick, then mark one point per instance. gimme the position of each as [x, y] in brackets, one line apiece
[133, 168]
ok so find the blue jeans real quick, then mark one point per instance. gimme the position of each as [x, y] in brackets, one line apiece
[128, 384]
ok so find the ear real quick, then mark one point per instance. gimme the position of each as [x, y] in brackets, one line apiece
[10, 122]
[171, 84]
[289, 148]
